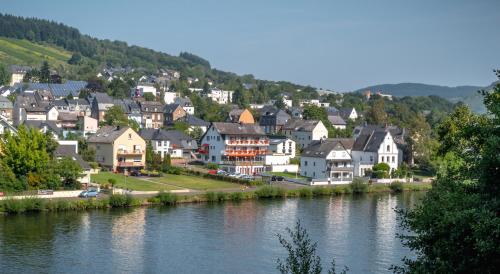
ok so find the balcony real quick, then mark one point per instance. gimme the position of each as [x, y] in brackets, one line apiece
[245, 153]
[340, 168]
[243, 163]
[255, 142]
[129, 152]
[129, 164]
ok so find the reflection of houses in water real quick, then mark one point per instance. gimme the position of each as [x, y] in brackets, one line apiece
[240, 214]
[127, 237]
[337, 221]
[386, 223]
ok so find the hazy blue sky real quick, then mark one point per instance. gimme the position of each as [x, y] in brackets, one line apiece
[342, 45]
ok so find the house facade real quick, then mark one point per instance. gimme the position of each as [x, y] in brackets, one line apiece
[152, 114]
[119, 149]
[328, 160]
[281, 150]
[305, 131]
[237, 148]
[173, 112]
[373, 147]
[273, 119]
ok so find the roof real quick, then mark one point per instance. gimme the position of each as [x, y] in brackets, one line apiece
[370, 142]
[275, 140]
[336, 120]
[60, 90]
[69, 151]
[183, 101]
[151, 106]
[80, 102]
[50, 125]
[107, 134]
[195, 121]
[102, 98]
[300, 125]
[5, 103]
[169, 108]
[321, 148]
[176, 138]
[238, 129]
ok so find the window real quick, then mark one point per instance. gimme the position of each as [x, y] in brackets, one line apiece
[371, 158]
[305, 163]
[213, 158]
[382, 159]
[393, 159]
[314, 174]
[218, 138]
[314, 163]
[388, 148]
[130, 136]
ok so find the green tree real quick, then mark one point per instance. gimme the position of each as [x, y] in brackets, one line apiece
[4, 75]
[376, 113]
[70, 171]
[45, 72]
[302, 258]
[115, 117]
[456, 228]
[149, 96]
[75, 59]
[8, 180]
[381, 170]
[149, 155]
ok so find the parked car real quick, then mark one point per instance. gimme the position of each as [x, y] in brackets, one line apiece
[89, 193]
[222, 172]
[247, 177]
[212, 171]
[278, 178]
[236, 175]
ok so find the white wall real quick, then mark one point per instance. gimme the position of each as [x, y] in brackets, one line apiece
[313, 167]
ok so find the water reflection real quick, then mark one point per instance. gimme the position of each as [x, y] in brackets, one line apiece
[359, 231]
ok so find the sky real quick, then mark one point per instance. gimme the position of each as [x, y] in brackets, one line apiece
[339, 45]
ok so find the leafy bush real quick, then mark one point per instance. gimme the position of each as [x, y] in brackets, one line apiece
[212, 166]
[358, 186]
[381, 170]
[236, 196]
[119, 200]
[270, 192]
[166, 198]
[305, 192]
[396, 187]
[112, 181]
[174, 170]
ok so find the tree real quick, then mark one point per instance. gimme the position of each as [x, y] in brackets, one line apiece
[381, 170]
[149, 96]
[45, 72]
[8, 180]
[118, 88]
[166, 163]
[70, 171]
[149, 155]
[115, 117]
[456, 228]
[133, 124]
[4, 75]
[240, 97]
[302, 258]
[376, 114]
[75, 59]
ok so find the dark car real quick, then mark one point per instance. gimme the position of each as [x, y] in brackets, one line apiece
[277, 178]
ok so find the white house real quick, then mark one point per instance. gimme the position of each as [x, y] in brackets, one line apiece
[141, 89]
[328, 161]
[305, 131]
[374, 146]
[238, 148]
[281, 150]
[172, 142]
[186, 104]
[221, 96]
[169, 97]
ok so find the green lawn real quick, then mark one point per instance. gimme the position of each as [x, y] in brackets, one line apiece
[166, 182]
[288, 175]
[132, 183]
[194, 182]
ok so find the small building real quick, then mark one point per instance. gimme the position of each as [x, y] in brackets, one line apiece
[169, 97]
[221, 96]
[142, 89]
[6, 108]
[237, 148]
[373, 146]
[186, 104]
[328, 160]
[119, 149]
[273, 119]
[152, 114]
[173, 112]
[172, 142]
[101, 102]
[69, 149]
[281, 150]
[305, 131]
[337, 121]
[243, 116]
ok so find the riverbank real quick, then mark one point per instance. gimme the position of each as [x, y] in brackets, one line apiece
[17, 206]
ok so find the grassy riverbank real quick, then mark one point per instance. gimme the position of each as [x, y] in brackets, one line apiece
[16, 206]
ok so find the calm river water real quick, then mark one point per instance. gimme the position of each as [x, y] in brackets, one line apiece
[202, 238]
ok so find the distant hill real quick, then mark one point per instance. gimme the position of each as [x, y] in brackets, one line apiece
[466, 94]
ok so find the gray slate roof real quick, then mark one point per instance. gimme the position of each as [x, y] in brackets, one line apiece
[300, 125]
[50, 125]
[107, 134]
[195, 121]
[321, 148]
[176, 138]
[238, 129]
[369, 142]
[336, 120]
[5, 103]
[69, 151]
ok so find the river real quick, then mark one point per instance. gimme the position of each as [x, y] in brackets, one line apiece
[358, 231]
